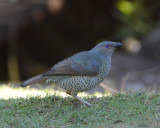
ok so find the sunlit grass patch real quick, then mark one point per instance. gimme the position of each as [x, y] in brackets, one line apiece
[7, 92]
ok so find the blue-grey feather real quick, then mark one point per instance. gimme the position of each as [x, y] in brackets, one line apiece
[82, 71]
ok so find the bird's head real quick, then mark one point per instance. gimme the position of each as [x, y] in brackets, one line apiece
[106, 48]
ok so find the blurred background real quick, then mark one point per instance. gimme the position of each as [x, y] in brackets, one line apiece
[36, 34]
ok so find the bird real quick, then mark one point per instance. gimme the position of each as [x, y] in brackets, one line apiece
[80, 72]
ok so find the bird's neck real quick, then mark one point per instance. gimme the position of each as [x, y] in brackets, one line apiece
[106, 65]
[105, 68]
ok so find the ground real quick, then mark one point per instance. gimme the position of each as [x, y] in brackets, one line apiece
[21, 108]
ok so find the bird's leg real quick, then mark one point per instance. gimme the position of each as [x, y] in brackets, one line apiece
[74, 94]
[83, 101]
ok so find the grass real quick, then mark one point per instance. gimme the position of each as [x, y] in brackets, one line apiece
[25, 108]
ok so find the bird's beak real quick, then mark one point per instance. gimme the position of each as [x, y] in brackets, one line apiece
[119, 45]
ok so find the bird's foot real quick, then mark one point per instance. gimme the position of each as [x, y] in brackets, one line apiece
[74, 94]
[83, 101]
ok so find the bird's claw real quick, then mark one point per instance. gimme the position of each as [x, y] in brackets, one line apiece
[87, 104]
[83, 101]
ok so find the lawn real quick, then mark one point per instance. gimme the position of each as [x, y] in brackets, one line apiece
[31, 108]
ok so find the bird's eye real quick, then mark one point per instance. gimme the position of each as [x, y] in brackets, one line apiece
[107, 46]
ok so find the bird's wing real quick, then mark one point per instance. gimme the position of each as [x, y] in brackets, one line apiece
[81, 64]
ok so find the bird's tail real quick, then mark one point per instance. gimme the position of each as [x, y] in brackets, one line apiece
[33, 80]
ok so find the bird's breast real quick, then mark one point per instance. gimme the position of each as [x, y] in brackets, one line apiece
[79, 83]
[104, 70]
